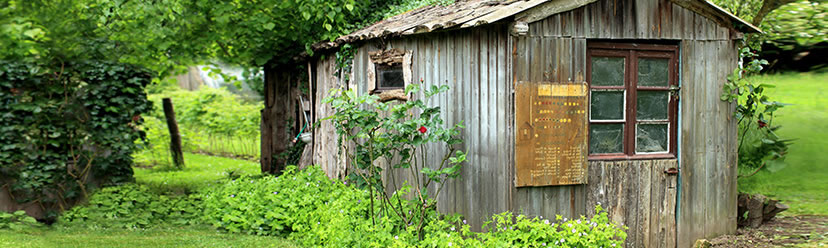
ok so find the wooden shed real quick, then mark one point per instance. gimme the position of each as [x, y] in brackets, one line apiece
[567, 104]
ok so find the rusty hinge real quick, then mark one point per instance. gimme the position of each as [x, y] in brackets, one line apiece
[671, 171]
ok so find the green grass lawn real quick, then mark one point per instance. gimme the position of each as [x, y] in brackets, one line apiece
[201, 171]
[156, 237]
[803, 184]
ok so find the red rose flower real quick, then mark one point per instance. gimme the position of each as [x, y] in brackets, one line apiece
[136, 118]
[422, 129]
[761, 123]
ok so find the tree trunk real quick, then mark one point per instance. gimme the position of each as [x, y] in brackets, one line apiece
[767, 7]
[175, 136]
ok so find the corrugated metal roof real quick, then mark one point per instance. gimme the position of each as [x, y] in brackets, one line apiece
[461, 14]
[469, 13]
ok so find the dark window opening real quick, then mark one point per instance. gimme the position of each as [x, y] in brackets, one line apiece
[633, 100]
[390, 77]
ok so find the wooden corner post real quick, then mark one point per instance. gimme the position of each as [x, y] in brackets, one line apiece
[275, 116]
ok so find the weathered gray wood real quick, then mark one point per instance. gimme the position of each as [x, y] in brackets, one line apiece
[482, 65]
[648, 19]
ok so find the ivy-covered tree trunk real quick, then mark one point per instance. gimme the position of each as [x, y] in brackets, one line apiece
[276, 116]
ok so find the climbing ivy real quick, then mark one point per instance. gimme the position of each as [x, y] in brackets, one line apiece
[66, 127]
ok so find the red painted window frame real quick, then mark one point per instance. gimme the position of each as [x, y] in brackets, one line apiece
[631, 52]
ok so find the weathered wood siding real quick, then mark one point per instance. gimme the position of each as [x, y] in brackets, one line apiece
[707, 200]
[482, 64]
[325, 147]
[707, 190]
[473, 62]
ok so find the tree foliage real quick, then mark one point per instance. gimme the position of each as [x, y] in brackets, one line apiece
[165, 35]
[68, 128]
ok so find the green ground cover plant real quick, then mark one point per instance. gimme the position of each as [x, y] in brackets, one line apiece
[134, 206]
[310, 209]
[16, 221]
[801, 184]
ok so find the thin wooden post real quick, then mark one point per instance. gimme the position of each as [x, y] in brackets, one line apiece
[175, 136]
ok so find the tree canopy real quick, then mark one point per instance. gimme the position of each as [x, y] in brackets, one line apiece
[164, 35]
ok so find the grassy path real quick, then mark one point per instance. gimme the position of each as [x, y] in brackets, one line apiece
[201, 171]
[803, 184]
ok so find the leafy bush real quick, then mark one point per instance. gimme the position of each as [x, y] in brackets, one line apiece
[17, 220]
[134, 206]
[313, 210]
[391, 133]
[66, 127]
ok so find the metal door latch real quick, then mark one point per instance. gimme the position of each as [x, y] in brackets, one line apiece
[671, 171]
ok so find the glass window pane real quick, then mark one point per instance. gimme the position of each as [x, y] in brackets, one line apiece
[390, 76]
[653, 72]
[607, 71]
[606, 138]
[651, 138]
[652, 105]
[607, 105]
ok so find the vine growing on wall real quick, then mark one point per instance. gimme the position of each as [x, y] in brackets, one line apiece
[68, 127]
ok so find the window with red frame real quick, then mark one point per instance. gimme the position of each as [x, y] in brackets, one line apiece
[633, 100]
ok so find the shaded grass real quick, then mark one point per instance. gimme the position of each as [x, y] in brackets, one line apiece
[191, 236]
[200, 172]
[803, 183]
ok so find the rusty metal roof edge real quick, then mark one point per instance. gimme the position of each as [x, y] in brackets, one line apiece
[490, 17]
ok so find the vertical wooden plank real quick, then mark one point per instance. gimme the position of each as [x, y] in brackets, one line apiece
[685, 230]
[503, 91]
[483, 107]
[645, 192]
[578, 20]
[642, 19]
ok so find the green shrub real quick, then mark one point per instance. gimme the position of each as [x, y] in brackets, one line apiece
[134, 206]
[313, 210]
[17, 220]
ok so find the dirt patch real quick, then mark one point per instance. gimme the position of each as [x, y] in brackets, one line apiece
[785, 231]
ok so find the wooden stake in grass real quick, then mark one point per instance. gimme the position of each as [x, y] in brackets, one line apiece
[175, 137]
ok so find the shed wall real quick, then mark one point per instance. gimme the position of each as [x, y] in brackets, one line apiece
[707, 132]
[482, 64]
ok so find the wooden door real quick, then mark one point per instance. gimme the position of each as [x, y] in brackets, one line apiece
[639, 194]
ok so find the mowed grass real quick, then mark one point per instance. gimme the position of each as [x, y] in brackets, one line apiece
[803, 184]
[201, 171]
[156, 237]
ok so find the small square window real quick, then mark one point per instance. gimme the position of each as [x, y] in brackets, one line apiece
[390, 77]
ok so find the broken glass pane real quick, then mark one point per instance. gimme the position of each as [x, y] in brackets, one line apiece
[607, 71]
[606, 138]
[607, 105]
[653, 72]
[651, 138]
[652, 105]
